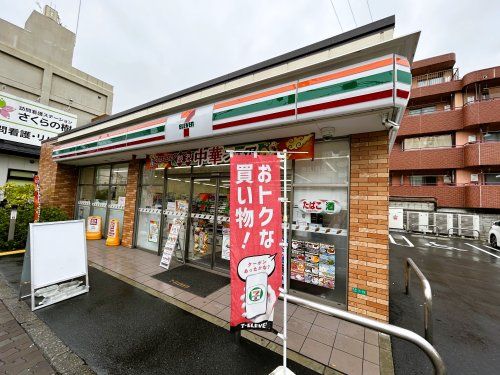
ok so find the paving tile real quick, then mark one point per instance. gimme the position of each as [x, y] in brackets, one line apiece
[371, 337]
[305, 314]
[224, 299]
[198, 302]
[299, 326]
[327, 321]
[271, 336]
[371, 353]
[349, 345]
[213, 307]
[346, 363]
[370, 368]
[352, 330]
[316, 350]
[185, 296]
[225, 314]
[323, 335]
[294, 341]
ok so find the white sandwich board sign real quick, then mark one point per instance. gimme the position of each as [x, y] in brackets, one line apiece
[57, 256]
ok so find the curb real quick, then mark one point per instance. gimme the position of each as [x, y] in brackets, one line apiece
[59, 356]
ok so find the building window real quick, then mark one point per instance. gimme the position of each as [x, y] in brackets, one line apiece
[20, 177]
[423, 180]
[434, 141]
[492, 178]
[492, 136]
[422, 110]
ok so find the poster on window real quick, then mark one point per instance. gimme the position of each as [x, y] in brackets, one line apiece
[225, 244]
[313, 263]
[256, 235]
[153, 231]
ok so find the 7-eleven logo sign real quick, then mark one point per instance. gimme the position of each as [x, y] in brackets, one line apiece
[187, 121]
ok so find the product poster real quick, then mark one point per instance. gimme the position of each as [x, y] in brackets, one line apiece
[153, 231]
[256, 235]
[168, 250]
[225, 244]
[313, 263]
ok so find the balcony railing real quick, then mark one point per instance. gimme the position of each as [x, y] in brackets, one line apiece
[431, 122]
[482, 153]
[435, 78]
[426, 158]
[483, 111]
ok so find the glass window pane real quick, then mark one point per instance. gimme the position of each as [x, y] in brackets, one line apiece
[85, 193]
[152, 176]
[492, 137]
[330, 164]
[118, 195]
[87, 175]
[101, 193]
[119, 174]
[492, 178]
[102, 175]
[151, 196]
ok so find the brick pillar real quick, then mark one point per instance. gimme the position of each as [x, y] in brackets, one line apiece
[368, 225]
[58, 182]
[134, 169]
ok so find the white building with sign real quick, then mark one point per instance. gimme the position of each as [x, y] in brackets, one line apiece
[41, 93]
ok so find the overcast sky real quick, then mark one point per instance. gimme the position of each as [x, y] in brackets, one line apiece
[150, 48]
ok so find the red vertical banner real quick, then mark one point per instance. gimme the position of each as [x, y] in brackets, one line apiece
[255, 243]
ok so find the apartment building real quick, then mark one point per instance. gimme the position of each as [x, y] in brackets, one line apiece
[41, 93]
[445, 163]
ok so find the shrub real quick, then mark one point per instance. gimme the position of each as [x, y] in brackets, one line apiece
[24, 217]
[17, 195]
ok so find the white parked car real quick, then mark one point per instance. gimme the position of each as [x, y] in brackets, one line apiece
[494, 234]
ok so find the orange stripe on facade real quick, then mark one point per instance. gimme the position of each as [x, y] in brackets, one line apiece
[258, 95]
[402, 61]
[347, 72]
[116, 132]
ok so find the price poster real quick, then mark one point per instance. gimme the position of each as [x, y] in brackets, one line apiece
[170, 244]
[153, 231]
[256, 236]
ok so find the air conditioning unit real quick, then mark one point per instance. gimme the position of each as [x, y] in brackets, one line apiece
[472, 138]
[474, 177]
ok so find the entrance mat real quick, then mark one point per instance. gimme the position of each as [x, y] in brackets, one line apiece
[193, 280]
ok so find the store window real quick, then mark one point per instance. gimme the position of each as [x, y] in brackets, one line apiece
[150, 209]
[318, 255]
[101, 192]
[20, 177]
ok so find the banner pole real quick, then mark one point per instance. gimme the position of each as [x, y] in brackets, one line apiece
[285, 260]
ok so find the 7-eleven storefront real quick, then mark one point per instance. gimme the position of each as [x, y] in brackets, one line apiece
[167, 160]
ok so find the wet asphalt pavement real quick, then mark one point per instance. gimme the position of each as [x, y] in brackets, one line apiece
[119, 329]
[465, 282]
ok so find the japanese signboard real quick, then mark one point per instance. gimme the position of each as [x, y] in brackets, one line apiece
[153, 231]
[217, 155]
[36, 199]
[318, 206]
[256, 236]
[170, 244]
[30, 122]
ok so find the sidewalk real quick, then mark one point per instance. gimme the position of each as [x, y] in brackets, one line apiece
[330, 343]
[18, 353]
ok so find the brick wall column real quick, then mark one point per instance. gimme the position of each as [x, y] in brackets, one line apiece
[368, 225]
[134, 168]
[58, 182]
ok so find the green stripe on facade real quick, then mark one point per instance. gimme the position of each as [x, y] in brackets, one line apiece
[255, 107]
[105, 142]
[339, 88]
[404, 77]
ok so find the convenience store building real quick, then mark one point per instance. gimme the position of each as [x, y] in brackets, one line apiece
[336, 101]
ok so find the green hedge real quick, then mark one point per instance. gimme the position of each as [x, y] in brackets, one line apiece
[25, 215]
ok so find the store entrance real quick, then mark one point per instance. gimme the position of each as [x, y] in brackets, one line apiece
[208, 244]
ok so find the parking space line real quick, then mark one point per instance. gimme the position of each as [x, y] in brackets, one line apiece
[489, 247]
[408, 241]
[484, 251]
[392, 239]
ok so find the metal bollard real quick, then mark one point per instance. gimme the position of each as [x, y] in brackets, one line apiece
[12, 224]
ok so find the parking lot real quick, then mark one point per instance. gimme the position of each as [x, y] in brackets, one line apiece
[465, 279]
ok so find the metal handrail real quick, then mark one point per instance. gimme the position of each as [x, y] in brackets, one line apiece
[389, 329]
[463, 229]
[436, 232]
[428, 326]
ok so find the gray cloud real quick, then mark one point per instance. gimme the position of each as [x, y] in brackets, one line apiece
[148, 48]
